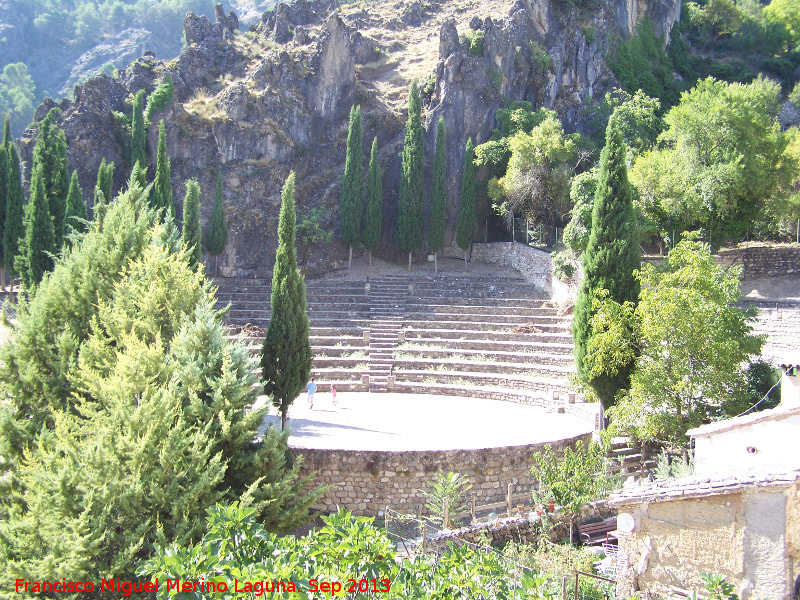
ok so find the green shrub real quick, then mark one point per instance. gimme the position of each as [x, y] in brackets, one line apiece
[474, 41]
[563, 265]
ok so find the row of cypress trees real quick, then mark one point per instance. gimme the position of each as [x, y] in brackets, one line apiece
[360, 226]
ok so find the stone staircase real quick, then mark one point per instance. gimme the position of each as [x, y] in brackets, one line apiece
[455, 335]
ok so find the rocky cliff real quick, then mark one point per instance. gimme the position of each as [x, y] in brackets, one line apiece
[260, 103]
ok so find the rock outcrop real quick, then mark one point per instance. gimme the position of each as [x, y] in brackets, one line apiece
[274, 99]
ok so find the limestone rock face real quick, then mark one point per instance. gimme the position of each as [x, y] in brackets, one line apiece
[259, 104]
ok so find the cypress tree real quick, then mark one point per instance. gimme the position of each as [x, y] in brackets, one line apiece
[611, 257]
[162, 189]
[411, 216]
[51, 152]
[7, 139]
[76, 208]
[286, 354]
[4, 181]
[138, 134]
[102, 189]
[191, 224]
[466, 210]
[374, 213]
[139, 175]
[39, 242]
[13, 228]
[350, 204]
[438, 197]
[217, 236]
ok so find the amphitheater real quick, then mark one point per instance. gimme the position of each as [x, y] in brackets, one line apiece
[456, 371]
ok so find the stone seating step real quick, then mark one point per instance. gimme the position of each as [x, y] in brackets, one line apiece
[488, 326]
[481, 344]
[504, 380]
[423, 335]
[539, 358]
[337, 374]
[532, 369]
[456, 309]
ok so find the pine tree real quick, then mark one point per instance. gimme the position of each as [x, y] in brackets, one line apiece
[438, 197]
[138, 133]
[4, 183]
[286, 354]
[51, 152]
[191, 224]
[14, 227]
[39, 242]
[162, 189]
[217, 235]
[75, 216]
[350, 203]
[411, 216]
[611, 257]
[372, 218]
[465, 225]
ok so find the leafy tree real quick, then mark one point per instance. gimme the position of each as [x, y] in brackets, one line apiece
[350, 202]
[14, 227]
[786, 14]
[38, 246]
[138, 132]
[161, 425]
[411, 216]
[162, 188]
[581, 193]
[160, 99]
[688, 340]
[371, 236]
[75, 215]
[310, 230]
[465, 225]
[579, 477]
[286, 354]
[191, 224]
[17, 94]
[438, 197]
[639, 119]
[611, 257]
[450, 487]
[723, 161]
[217, 235]
[102, 189]
[51, 153]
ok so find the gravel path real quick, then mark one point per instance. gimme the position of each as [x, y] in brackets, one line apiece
[393, 421]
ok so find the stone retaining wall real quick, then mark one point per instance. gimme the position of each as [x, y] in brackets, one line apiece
[366, 482]
[757, 261]
[534, 264]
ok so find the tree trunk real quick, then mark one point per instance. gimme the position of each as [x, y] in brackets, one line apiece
[370, 258]
[284, 412]
[570, 530]
[215, 265]
[435, 262]
[409, 262]
[3, 278]
[350, 258]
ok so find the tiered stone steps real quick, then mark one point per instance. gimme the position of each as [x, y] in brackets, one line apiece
[455, 335]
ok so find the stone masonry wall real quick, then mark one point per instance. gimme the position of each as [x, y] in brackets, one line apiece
[534, 264]
[366, 482]
[758, 261]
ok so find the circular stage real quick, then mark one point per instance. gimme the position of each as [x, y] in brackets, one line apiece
[413, 422]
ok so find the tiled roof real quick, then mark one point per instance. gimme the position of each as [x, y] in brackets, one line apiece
[666, 490]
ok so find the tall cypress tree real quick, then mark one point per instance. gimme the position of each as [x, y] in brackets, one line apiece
[102, 189]
[611, 257]
[465, 225]
[438, 198]
[4, 182]
[75, 214]
[14, 228]
[217, 236]
[374, 213]
[51, 152]
[39, 242]
[286, 354]
[7, 139]
[191, 223]
[411, 216]
[138, 133]
[162, 189]
[350, 203]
